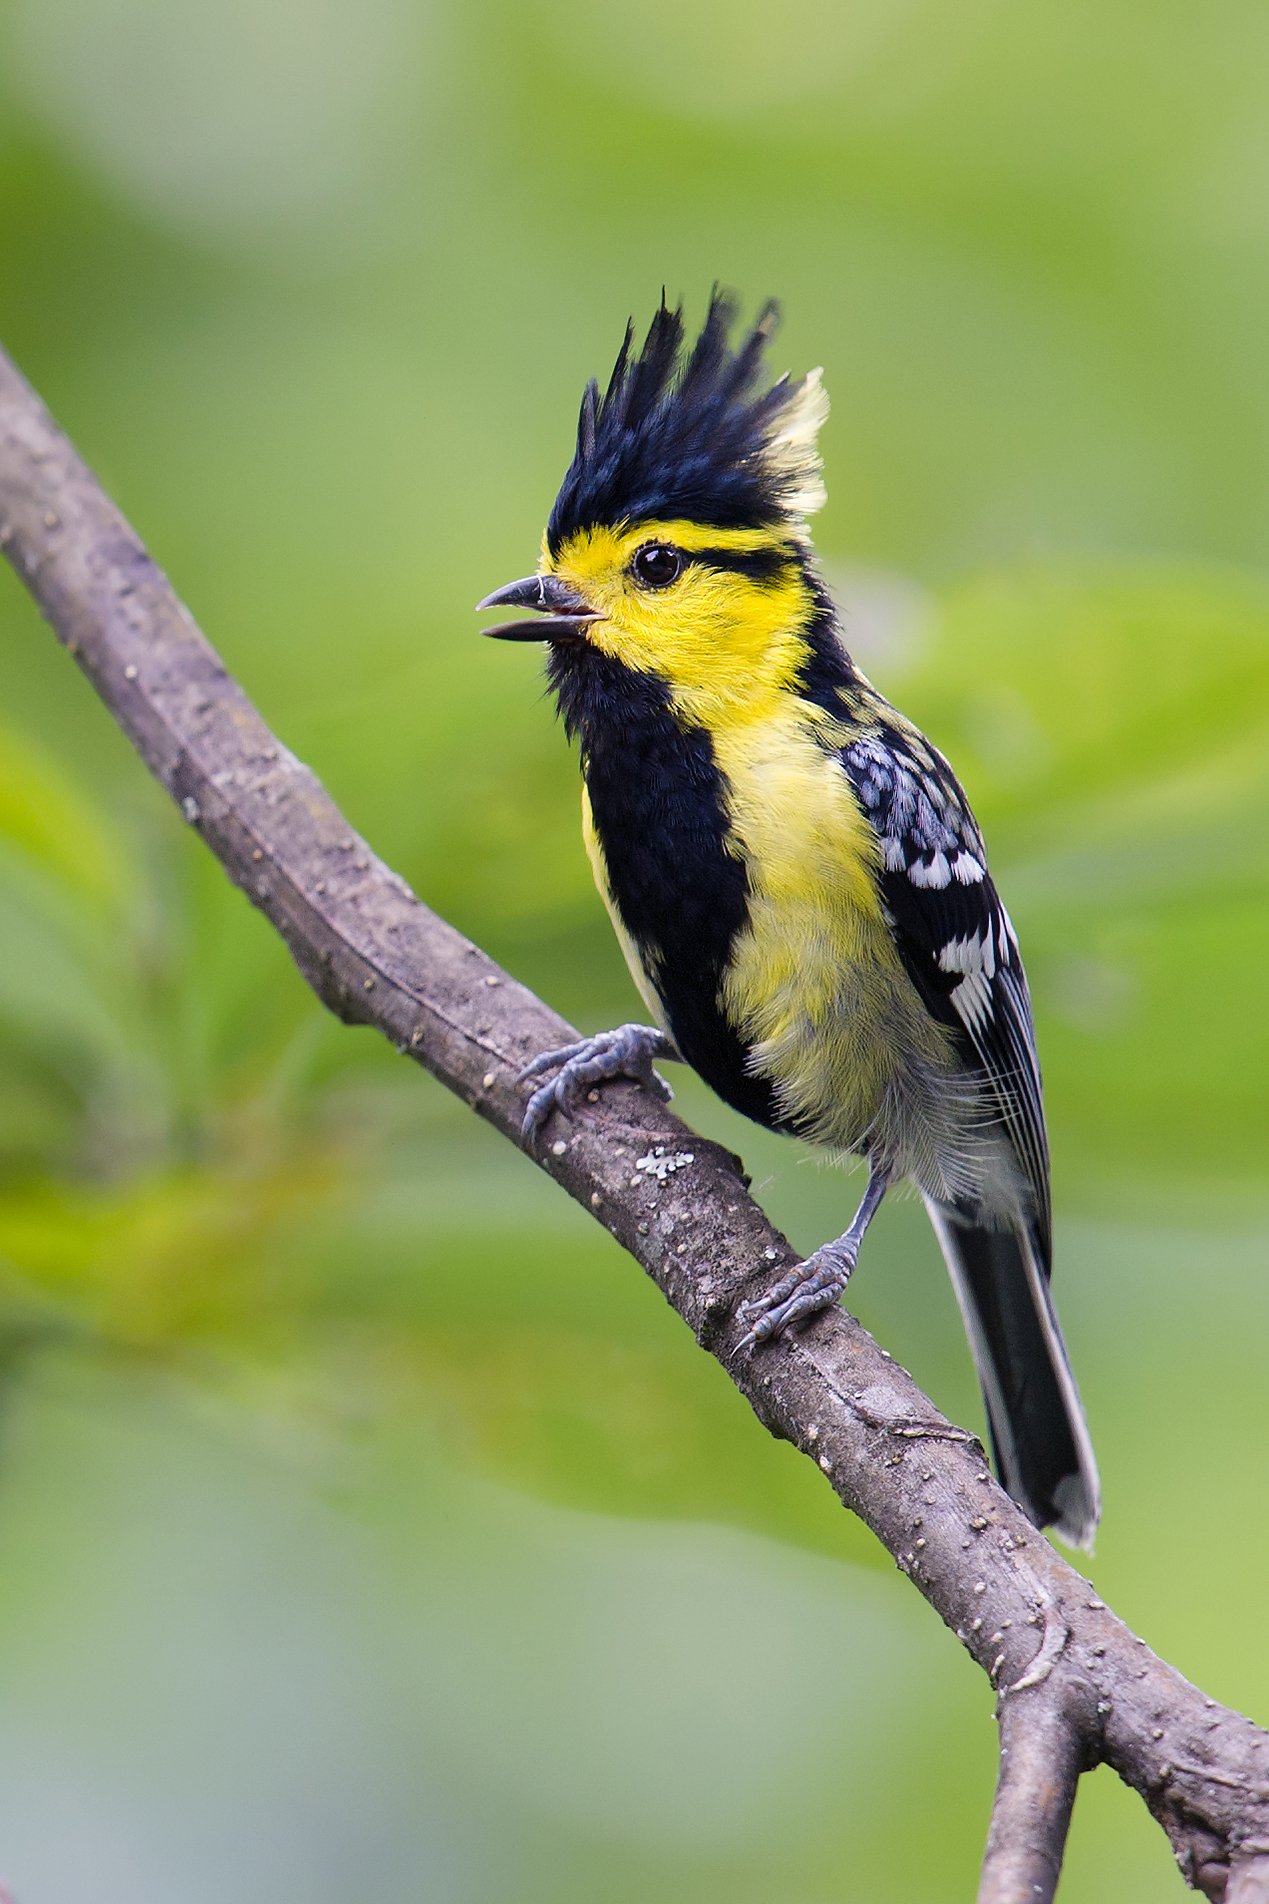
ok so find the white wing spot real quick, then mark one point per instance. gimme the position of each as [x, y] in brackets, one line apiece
[937, 873]
[969, 955]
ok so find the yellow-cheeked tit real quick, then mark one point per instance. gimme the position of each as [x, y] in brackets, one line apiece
[792, 869]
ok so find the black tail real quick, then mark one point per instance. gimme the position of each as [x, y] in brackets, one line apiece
[1041, 1441]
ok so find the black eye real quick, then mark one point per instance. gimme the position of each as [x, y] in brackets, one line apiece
[656, 565]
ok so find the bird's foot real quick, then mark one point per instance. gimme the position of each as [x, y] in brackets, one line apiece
[625, 1053]
[803, 1292]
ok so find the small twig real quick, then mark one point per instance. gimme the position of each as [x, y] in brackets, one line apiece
[908, 1426]
[1040, 1764]
[1056, 1633]
[905, 1427]
[1212, 1778]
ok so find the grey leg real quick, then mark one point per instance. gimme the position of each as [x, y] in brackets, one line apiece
[818, 1282]
[625, 1053]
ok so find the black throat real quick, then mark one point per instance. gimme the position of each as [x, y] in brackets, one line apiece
[660, 810]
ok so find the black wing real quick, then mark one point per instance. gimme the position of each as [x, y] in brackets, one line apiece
[952, 931]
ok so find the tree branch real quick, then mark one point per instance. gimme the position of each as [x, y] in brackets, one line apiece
[1041, 1751]
[1075, 1686]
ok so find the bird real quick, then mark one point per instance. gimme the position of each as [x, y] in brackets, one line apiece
[791, 867]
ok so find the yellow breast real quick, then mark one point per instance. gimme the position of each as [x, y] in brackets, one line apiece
[815, 985]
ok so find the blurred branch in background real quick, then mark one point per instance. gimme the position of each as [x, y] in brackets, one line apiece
[1075, 1688]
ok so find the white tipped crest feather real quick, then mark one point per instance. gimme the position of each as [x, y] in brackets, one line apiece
[792, 450]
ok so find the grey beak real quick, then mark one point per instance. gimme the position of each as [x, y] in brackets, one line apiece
[561, 611]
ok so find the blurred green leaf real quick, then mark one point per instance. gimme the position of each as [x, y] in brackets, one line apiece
[58, 827]
[1112, 726]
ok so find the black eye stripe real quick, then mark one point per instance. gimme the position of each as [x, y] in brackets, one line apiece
[760, 565]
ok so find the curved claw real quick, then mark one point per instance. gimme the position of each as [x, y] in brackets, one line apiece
[625, 1053]
[547, 1060]
[802, 1292]
[558, 1095]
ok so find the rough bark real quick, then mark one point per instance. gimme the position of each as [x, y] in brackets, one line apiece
[1040, 1763]
[1075, 1687]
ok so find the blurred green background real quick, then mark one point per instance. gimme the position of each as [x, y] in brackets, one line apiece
[368, 1526]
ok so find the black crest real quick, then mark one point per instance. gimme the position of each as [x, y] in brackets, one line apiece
[688, 434]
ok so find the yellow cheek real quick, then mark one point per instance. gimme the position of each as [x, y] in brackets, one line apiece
[724, 642]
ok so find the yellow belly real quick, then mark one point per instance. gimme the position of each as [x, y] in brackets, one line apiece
[814, 987]
[815, 984]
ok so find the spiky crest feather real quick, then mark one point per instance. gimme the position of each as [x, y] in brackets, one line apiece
[688, 436]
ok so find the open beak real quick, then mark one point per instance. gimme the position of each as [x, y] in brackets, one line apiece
[561, 612]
